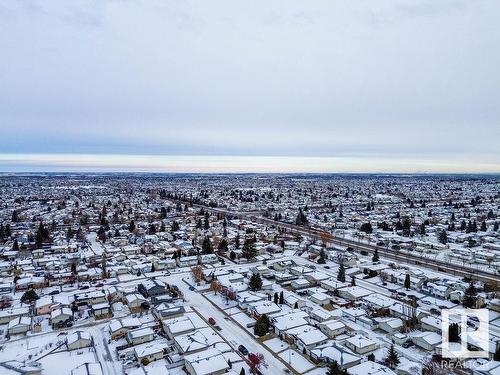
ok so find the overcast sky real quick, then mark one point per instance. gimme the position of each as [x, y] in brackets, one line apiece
[410, 86]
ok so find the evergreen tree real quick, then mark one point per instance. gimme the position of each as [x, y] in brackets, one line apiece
[232, 255]
[206, 246]
[276, 298]
[249, 251]
[483, 226]
[255, 282]
[321, 259]
[366, 227]
[101, 234]
[223, 245]
[470, 296]
[407, 281]
[463, 226]
[353, 281]
[375, 257]
[262, 325]
[131, 226]
[15, 245]
[392, 359]
[301, 218]
[175, 226]
[206, 223]
[29, 296]
[442, 237]
[152, 229]
[282, 298]
[341, 275]
[407, 226]
[335, 369]
[495, 226]
[237, 241]
[41, 235]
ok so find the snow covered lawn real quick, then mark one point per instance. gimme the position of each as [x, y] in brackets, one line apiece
[220, 301]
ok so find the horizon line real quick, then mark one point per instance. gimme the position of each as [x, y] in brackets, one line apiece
[240, 164]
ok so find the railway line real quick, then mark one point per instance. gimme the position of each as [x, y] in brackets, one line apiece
[357, 246]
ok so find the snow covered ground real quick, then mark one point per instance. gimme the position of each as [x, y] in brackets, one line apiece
[233, 333]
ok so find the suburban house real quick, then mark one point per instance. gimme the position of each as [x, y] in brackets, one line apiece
[62, 317]
[427, 340]
[119, 328]
[140, 335]
[360, 344]
[332, 328]
[207, 362]
[150, 352]
[78, 340]
[19, 325]
[331, 352]
[151, 288]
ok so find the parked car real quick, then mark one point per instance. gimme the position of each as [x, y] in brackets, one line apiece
[211, 321]
[54, 292]
[407, 344]
[243, 350]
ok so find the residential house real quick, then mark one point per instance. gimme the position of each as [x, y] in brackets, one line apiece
[360, 344]
[19, 325]
[140, 335]
[78, 340]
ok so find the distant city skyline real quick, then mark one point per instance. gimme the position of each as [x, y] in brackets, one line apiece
[265, 86]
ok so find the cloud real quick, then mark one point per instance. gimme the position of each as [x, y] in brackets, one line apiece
[292, 78]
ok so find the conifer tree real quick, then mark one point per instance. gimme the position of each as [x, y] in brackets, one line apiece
[262, 325]
[255, 282]
[407, 281]
[206, 246]
[392, 359]
[470, 296]
[321, 259]
[341, 274]
[249, 251]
